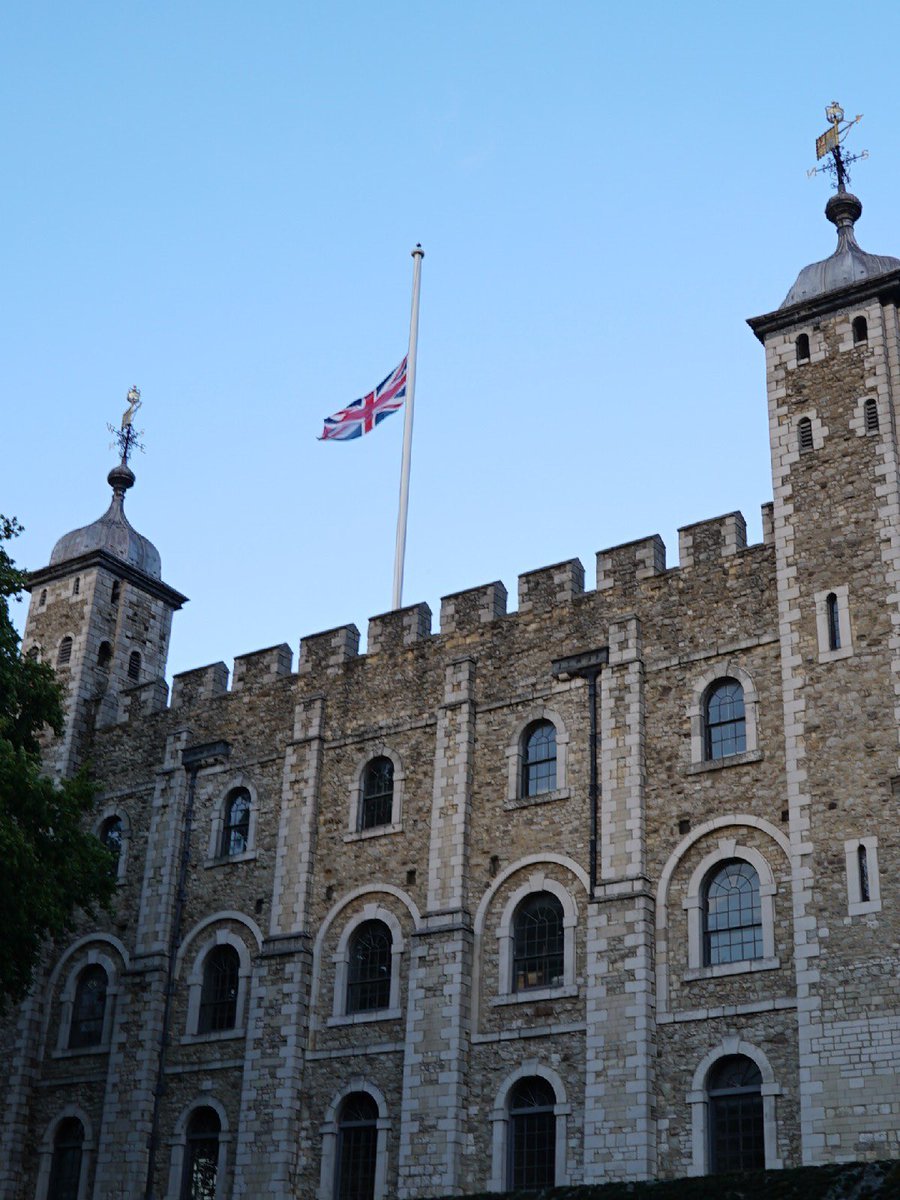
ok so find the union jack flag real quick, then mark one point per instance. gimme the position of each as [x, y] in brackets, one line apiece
[364, 414]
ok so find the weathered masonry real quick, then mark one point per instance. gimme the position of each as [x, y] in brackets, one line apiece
[602, 888]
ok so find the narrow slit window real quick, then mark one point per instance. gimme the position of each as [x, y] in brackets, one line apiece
[804, 434]
[134, 665]
[116, 591]
[860, 330]
[834, 622]
[862, 864]
[104, 655]
[871, 416]
[76, 586]
[43, 599]
[802, 345]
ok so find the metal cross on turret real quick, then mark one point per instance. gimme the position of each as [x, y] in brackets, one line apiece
[829, 143]
[126, 436]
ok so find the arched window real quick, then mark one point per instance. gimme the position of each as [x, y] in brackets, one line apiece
[88, 1008]
[736, 1130]
[369, 969]
[538, 943]
[834, 623]
[65, 1167]
[802, 345]
[539, 759]
[111, 835]
[357, 1149]
[116, 591]
[377, 803]
[236, 826]
[531, 1142]
[134, 665]
[65, 652]
[870, 411]
[76, 586]
[804, 434]
[725, 723]
[860, 330]
[201, 1155]
[732, 914]
[218, 994]
[104, 656]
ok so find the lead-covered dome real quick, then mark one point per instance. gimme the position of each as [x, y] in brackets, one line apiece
[112, 533]
[849, 263]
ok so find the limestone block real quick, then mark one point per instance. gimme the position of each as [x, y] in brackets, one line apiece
[203, 683]
[262, 666]
[545, 588]
[465, 612]
[394, 630]
[625, 564]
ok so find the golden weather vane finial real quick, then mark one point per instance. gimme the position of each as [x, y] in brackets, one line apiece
[829, 143]
[126, 436]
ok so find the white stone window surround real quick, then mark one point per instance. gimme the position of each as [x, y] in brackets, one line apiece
[819, 432]
[693, 903]
[665, 879]
[112, 810]
[95, 956]
[487, 900]
[45, 1153]
[215, 857]
[788, 348]
[698, 1099]
[697, 717]
[536, 882]
[856, 906]
[515, 755]
[354, 833]
[845, 650]
[219, 935]
[500, 1121]
[858, 420]
[179, 1144]
[329, 1132]
[341, 960]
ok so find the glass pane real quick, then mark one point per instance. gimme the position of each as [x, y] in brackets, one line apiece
[532, 1149]
[378, 794]
[88, 1009]
[539, 761]
[218, 997]
[737, 1141]
[732, 915]
[237, 824]
[369, 977]
[538, 951]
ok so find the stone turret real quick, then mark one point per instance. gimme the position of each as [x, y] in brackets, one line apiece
[101, 615]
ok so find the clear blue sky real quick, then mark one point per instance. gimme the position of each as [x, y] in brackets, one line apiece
[216, 201]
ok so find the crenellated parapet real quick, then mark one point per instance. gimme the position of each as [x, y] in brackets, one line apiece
[545, 588]
[708, 542]
[625, 565]
[327, 652]
[203, 683]
[262, 666]
[395, 630]
[469, 611]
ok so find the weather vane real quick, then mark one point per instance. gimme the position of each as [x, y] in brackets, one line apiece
[829, 143]
[126, 436]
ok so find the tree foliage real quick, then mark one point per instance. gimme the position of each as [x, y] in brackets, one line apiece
[50, 864]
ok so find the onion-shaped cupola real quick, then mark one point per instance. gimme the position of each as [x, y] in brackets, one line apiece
[848, 265]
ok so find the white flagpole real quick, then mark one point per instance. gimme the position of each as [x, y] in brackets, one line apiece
[400, 553]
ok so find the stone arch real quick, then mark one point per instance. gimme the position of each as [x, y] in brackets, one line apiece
[699, 1102]
[329, 1130]
[515, 753]
[500, 1121]
[179, 1142]
[378, 750]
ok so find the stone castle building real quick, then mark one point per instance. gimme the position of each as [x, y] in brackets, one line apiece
[599, 889]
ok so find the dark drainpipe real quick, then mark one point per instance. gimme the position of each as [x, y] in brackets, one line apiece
[588, 665]
[192, 760]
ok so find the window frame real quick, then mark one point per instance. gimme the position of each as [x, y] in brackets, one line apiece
[736, 723]
[710, 950]
[698, 1101]
[541, 960]
[728, 849]
[341, 960]
[502, 1125]
[355, 832]
[45, 1153]
[215, 856]
[330, 1133]
[80, 961]
[515, 759]
[179, 1144]
[536, 883]
[230, 828]
[856, 905]
[107, 814]
[221, 937]
[696, 713]
[827, 653]
[211, 1002]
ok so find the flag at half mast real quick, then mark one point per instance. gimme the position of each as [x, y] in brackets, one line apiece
[368, 411]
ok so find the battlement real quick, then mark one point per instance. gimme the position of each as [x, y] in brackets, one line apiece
[621, 570]
[707, 542]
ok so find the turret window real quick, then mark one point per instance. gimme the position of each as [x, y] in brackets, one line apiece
[804, 434]
[134, 665]
[802, 345]
[104, 656]
[116, 591]
[76, 586]
[870, 411]
[64, 654]
[860, 330]
[43, 599]
[834, 622]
